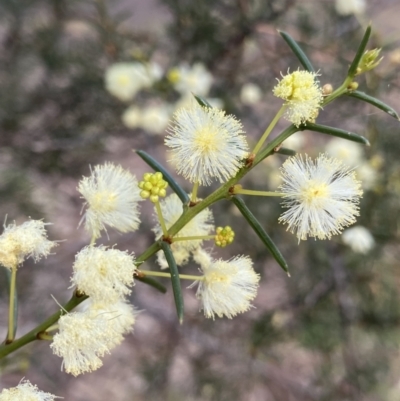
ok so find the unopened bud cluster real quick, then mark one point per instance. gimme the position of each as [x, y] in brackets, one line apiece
[369, 61]
[224, 236]
[153, 186]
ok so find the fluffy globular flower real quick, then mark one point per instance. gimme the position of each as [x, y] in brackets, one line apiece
[205, 144]
[103, 274]
[359, 239]
[195, 79]
[119, 318]
[321, 197]
[302, 96]
[200, 225]
[112, 197]
[124, 80]
[85, 337]
[250, 94]
[348, 7]
[18, 243]
[348, 152]
[25, 391]
[227, 287]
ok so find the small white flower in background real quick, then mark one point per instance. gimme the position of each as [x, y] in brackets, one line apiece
[368, 175]
[103, 274]
[359, 239]
[85, 337]
[302, 95]
[112, 195]
[228, 287]
[201, 224]
[28, 240]
[196, 79]
[250, 94]
[25, 391]
[155, 118]
[206, 144]
[125, 80]
[321, 197]
[294, 142]
[348, 152]
[348, 7]
[132, 117]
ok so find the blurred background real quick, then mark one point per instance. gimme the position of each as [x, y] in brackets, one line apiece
[332, 330]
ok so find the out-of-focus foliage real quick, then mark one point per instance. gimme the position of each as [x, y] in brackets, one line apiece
[331, 331]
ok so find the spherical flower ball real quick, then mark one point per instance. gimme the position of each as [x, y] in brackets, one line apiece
[359, 239]
[348, 7]
[250, 94]
[124, 80]
[82, 340]
[322, 197]
[28, 240]
[112, 195]
[103, 274]
[25, 391]
[302, 95]
[191, 79]
[132, 117]
[155, 118]
[350, 153]
[118, 317]
[206, 144]
[227, 287]
[202, 224]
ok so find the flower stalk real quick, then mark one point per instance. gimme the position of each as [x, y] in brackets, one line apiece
[11, 308]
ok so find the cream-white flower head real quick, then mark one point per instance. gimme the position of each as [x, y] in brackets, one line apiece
[29, 240]
[228, 287]
[359, 239]
[348, 152]
[103, 274]
[112, 195]
[25, 391]
[206, 144]
[124, 80]
[201, 224]
[302, 96]
[85, 337]
[321, 197]
[348, 7]
[195, 79]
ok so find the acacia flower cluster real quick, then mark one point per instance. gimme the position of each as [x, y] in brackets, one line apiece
[206, 144]
[25, 391]
[28, 240]
[227, 287]
[112, 197]
[302, 96]
[105, 275]
[85, 337]
[321, 197]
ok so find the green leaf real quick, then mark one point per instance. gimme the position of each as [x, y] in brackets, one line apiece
[262, 234]
[202, 102]
[324, 129]
[296, 49]
[175, 280]
[360, 51]
[154, 164]
[153, 283]
[375, 102]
